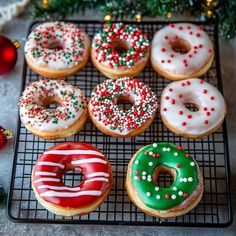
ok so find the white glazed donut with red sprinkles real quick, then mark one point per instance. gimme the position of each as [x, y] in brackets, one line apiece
[62, 121]
[181, 51]
[57, 49]
[110, 118]
[208, 101]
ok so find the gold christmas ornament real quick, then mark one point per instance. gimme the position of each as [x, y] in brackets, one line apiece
[138, 17]
[107, 17]
[45, 3]
[169, 15]
[209, 13]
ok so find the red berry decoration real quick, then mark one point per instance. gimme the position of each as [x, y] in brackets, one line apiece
[8, 54]
[4, 136]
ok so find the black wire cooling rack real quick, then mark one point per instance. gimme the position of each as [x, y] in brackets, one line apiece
[211, 153]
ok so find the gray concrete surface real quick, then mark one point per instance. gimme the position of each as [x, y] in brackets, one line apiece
[9, 94]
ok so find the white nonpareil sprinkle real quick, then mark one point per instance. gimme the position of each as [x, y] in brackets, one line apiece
[174, 188]
[144, 173]
[148, 194]
[154, 145]
[157, 188]
[173, 196]
[158, 197]
[176, 154]
[180, 193]
[136, 162]
[192, 163]
[150, 163]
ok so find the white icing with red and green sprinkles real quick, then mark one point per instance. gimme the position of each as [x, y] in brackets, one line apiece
[208, 100]
[201, 48]
[137, 42]
[103, 104]
[33, 112]
[164, 154]
[68, 36]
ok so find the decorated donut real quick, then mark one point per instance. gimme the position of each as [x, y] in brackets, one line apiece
[57, 49]
[181, 51]
[113, 120]
[64, 200]
[63, 121]
[209, 104]
[119, 50]
[164, 202]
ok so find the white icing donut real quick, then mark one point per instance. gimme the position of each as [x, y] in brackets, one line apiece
[208, 100]
[200, 49]
[113, 120]
[43, 40]
[32, 105]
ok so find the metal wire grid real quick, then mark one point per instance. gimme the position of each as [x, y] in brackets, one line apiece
[211, 153]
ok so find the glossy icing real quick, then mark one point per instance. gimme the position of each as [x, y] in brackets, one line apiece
[162, 54]
[104, 108]
[170, 156]
[66, 35]
[210, 103]
[34, 113]
[105, 54]
[96, 181]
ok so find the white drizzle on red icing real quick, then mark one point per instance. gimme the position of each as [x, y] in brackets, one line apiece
[166, 58]
[210, 103]
[33, 112]
[67, 35]
[97, 175]
[104, 108]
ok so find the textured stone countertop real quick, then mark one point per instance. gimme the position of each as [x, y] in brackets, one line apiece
[9, 94]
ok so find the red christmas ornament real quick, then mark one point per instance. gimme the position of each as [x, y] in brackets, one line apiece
[4, 136]
[8, 54]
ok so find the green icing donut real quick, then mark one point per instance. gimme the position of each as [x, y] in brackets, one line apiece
[169, 156]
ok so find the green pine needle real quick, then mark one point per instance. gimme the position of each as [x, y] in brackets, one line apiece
[224, 12]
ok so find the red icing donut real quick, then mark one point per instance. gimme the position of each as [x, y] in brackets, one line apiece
[65, 200]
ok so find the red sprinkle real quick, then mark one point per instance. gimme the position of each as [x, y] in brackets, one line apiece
[204, 91]
[166, 37]
[189, 116]
[178, 166]
[212, 98]
[156, 155]
[173, 101]
[201, 81]
[170, 89]
[184, 124]
[137, 171]
[166, 97]
[162, 61]
[167, 196]
[188, 82]
[205, 108]
[187, 155]
[200, 46]
[190, 55]
[172, 55]
[172, 25]
[139, 178]
[181, 112]
[206, 122]
[180, 95]
[185, 195]
[169, 61]
[212, 109]
[188, 27]
[198, 35]
[208, 113]
[190, 32]
[146, 153]
[164, 109]
[163, 49]
[180, 27]
[183, 84]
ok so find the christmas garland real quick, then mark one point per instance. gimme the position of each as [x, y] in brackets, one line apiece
[222, 11]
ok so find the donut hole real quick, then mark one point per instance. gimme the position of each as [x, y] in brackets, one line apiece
[191, 106]
[181, 46]
[164, 177]
[55, 45]
[124, 102]
[120, 46]
[72, 178]
[51, 102]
